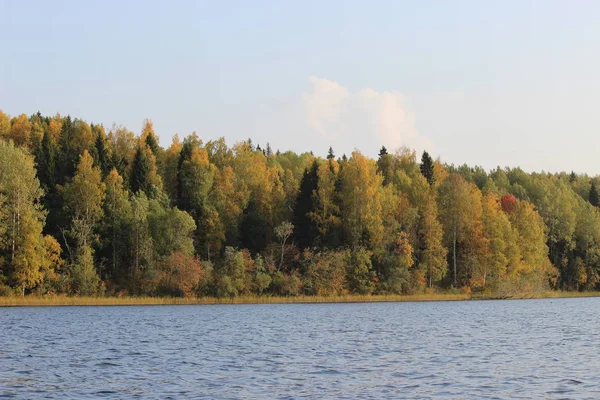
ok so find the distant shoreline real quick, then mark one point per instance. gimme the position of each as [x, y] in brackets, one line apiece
[37, 301]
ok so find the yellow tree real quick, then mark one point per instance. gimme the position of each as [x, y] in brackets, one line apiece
[360, 202]
[532, 240]
[460, 214]
[21, 218]
[501, 257]
[168, 168]
[4, 125]
[326, 210]
[20, 130]
[54, 128]
[83, 198]
[432, 257]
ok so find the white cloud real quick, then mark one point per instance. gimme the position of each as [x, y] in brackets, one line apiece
[365, 119]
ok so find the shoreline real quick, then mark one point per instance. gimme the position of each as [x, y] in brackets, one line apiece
[41, 301]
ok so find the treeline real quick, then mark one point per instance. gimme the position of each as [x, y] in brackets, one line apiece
[86, 211]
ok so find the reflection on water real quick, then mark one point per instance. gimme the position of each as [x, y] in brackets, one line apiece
[487, 349]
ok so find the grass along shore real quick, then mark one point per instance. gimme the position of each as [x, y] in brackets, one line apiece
[33, 300]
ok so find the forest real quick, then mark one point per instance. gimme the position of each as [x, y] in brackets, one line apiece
[90, 211]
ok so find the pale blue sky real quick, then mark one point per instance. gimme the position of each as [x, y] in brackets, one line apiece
[491, 83]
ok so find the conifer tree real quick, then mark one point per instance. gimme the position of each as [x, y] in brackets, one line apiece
[427, 168]
[304, 229]
[593, 196]
[139, 172]
[46, 163]
[102, 159]
[330, 155]
[385, 165]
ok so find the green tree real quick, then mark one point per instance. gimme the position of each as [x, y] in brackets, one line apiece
[45, 160]
[305, 230]
[427, 168]
[360, 274]
[115, 225]
[593, 195]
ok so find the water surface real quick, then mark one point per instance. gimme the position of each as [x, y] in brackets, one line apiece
[528, 349]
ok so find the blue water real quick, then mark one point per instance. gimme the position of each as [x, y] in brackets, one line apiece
[529, 349]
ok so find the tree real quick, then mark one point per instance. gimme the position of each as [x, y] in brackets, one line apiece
[385, 165]
[101, 155]
[360, 274]
[21, 218]
[432, 255]
[45, 160]
[501, 255]
[397, 263]
[593, 196]
[4, 125]
[460, 213]
[148, 137]
[360, 205]
[326, 210]
[141, 247]
[283, 233]
[115, 224]
[20, 130]
[304, 228]
[140, 172]
[330, 155]
[427, 168]
[83, 197]
[183, 273]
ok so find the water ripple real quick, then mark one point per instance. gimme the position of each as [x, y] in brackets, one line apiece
[484, 350]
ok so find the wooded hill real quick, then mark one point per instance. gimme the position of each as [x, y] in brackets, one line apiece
[86, 211]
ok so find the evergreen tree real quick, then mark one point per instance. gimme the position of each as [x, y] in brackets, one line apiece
[102, 159]
[254, 228]
[139, 172]
[46, 163]
[593, 196]
[305, 230]
[152, 143]
[67, 157]
[330, 155]
[385, 165]
[268, 150]
[572, 177]
[427, 168]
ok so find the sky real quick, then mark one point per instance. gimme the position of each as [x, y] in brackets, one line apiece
[489, 83]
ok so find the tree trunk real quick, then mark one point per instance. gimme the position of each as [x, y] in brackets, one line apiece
[454, 254]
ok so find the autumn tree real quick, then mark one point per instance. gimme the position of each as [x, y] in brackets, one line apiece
[20, 130]
[432, 253]
[360, 202]
[22, 246]
[84, 196]
[460, 214]
[4, 125]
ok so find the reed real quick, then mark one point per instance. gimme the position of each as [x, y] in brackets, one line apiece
[33, 300]
[61, 300]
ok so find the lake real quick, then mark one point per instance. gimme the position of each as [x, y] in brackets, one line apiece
[477, 349]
